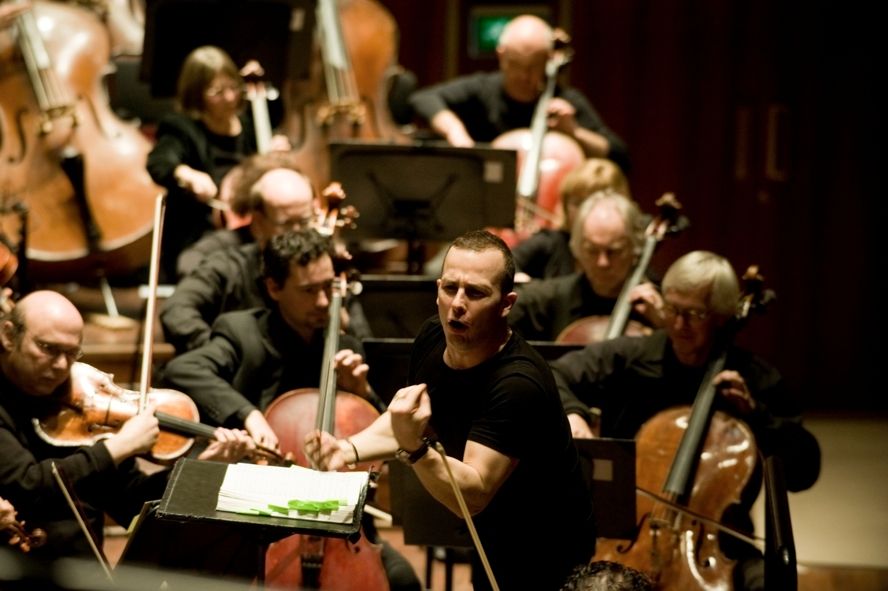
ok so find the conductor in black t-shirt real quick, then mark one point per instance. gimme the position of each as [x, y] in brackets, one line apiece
[490, 399]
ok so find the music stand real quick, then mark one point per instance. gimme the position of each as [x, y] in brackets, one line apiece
[276, 33]
[190, 500]
[609, 467]
[397, 305]
[426, 191]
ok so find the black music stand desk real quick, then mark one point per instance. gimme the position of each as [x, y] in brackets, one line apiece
[189, 505]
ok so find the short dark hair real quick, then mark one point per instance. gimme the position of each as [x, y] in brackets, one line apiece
[604, 575]
[481, 240]
[298, 247]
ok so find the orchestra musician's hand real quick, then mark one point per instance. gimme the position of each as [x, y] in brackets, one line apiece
[352, 372]
[137, 436]
[229, 445]
[647, 301]
[7, 513]
[280, 143]
[197, 182]
[579, 428]
[260, 430]
[562, 116]
[452, 128]
[325, 452]
[732, 386]
[410, 410]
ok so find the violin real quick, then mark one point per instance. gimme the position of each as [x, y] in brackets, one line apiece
[710, 457]
[593, 329]
[544, 157]
[304, 561]
[95, 408]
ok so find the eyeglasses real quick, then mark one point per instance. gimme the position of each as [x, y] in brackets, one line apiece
[217, 91]
[54, 351]
[691, 315]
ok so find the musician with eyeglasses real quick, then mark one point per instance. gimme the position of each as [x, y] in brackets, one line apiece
[197, 145]
[631, 379]
[40, 340]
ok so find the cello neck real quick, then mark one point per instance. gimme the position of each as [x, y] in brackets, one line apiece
[327, 390]
[529, 178]
[619, 317]
[261, 121]
[669, 221]
[342, 89]
[52, 97]
[681, 472]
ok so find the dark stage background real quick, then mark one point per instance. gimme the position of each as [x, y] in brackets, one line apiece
[763, 118]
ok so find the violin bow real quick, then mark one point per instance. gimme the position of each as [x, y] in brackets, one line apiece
[75, 509]
[151, 303]
[467, 516]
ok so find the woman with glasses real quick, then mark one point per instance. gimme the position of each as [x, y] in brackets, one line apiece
[197, 145]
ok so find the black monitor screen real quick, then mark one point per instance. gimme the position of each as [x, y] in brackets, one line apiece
[425, 191]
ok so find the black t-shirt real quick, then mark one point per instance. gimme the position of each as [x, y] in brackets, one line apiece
[539, 525]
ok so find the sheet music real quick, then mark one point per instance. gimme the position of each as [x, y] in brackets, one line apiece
[294, 492]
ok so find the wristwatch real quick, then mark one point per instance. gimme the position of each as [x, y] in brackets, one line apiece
[411, 457]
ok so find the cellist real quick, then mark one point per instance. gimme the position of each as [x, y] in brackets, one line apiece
[606, 240]
[633, 379]
[41, 339]
[480, 107]
[255, 355]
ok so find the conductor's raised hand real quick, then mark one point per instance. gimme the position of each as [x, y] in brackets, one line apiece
[410, 410]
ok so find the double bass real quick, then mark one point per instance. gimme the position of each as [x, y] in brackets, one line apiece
[305, 561]
[692, 465]
[344, 97]
[78, 169]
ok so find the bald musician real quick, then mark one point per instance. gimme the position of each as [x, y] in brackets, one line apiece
[41, 340]
[482, 106]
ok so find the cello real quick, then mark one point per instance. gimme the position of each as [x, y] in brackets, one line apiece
[305, 561]
[78, 169]
[544, 157]
[711, 457]
[593, 329]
